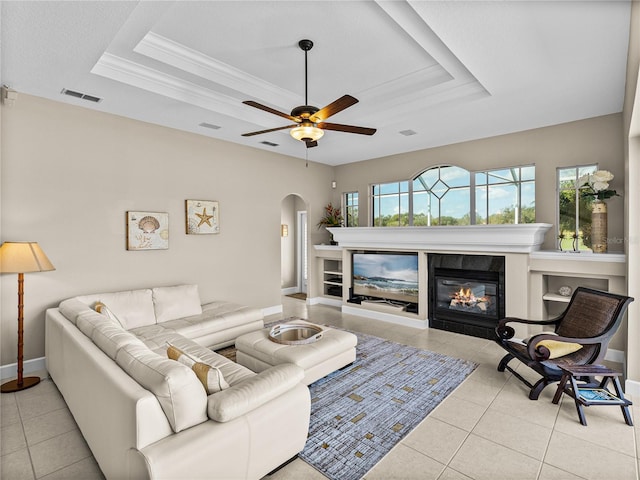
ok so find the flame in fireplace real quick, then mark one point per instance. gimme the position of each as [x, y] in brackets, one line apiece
[466, 298]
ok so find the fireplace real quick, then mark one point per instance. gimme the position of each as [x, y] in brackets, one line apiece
[466, 293]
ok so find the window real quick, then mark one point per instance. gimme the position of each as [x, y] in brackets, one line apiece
[391, 204]
[351, 209]
[505, 196]
[450, 195]
[441, 197]
[574, 211]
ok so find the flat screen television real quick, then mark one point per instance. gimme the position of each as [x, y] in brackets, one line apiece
[385, 275]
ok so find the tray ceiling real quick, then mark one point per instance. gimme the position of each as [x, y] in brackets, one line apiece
[440, 72]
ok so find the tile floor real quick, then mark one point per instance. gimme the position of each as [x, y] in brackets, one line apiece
[486, 429]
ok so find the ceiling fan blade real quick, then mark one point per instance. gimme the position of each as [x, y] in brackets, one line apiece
[259, 106]
[347, 128]
[312, 143]
[340, 104]
[250, 134]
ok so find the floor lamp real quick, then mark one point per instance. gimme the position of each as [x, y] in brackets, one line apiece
[21, 258]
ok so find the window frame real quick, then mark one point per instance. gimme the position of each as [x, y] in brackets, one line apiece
[374, 198]
[576, 235]
[347, 206]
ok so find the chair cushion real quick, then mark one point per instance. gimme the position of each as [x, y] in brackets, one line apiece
[171, 303]
[559, 349]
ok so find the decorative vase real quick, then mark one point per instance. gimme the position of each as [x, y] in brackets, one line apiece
[599, 226]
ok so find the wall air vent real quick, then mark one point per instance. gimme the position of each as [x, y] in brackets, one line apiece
[407, 133]
[82, 96]
[209, 125]
[271, 144]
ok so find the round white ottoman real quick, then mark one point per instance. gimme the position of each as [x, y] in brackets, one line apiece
[333, 351]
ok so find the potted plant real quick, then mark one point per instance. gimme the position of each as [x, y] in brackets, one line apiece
[332, 218]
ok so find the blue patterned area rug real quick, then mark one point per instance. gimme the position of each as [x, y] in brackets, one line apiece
[360, 413]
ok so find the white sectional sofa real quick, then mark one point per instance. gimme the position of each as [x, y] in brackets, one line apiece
[146, 416]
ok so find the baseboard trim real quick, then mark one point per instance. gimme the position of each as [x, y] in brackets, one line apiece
[615, 356]
[8, 372]
[386, 317]
[272, 310]
[290, 290]
[334, 302]
[632, 388]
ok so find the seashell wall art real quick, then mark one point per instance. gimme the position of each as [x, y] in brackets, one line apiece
[147, 231]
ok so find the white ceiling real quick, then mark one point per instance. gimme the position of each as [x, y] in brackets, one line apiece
[450, 71]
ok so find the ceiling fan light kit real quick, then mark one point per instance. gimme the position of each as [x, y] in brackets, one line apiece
[307, 132]
[310, 121]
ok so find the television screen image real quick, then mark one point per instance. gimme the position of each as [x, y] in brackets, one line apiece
[391, 276]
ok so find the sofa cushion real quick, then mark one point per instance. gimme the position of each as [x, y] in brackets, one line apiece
[87, 322]
[176, 386]
[175, 302]
[232, 372]
[111, 337]
[211, 377]
[134, 308]
[253, 392]
[72, 307]
[215, 317]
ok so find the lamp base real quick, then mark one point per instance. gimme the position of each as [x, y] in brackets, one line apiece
[12, 386]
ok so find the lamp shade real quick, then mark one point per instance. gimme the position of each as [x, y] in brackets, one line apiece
[306, 132]
[23, 257]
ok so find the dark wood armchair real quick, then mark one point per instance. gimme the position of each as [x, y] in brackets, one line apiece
[590, 320]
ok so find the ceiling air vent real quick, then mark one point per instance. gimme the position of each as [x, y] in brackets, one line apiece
[209, 125]
[407, 133]
[82, 96]
[271, 144]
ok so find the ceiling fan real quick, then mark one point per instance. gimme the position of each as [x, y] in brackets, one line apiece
[309, 121]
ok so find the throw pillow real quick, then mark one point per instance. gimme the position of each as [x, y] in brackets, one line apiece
[210, 376]
[559, 349]
[103, 309]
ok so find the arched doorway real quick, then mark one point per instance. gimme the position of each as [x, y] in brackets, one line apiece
[293, 245]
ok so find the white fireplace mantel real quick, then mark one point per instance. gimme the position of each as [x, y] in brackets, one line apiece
[523, 238]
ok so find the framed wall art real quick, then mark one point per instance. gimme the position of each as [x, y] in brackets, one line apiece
[147, 231]
[203, 217]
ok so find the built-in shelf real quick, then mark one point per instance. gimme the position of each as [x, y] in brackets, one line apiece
[556, 297]
[332, 278]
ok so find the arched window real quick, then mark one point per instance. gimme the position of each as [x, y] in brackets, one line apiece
[450, 195]
[441, 196]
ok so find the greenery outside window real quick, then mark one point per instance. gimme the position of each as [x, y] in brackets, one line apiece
[441, 197]
[574, 210]
[391, 204]
[506, 196]
[351, 209]
[450, 195]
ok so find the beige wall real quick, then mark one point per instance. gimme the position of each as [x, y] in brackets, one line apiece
[596, 140]
[69, 174]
